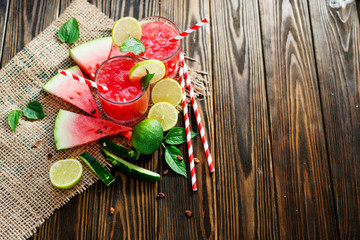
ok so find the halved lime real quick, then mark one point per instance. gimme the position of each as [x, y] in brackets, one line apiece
[167, 90]
[148, 66]
[65, 173]
[165, 113]
[124, 28]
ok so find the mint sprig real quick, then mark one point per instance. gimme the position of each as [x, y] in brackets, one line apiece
[145, 80]
[173, 156]
[13, 119]
[177, 135]
[133, 45]
[34, 110]
[172, 159]
[69, 32]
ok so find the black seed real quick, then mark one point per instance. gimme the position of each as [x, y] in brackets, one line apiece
[93, 111]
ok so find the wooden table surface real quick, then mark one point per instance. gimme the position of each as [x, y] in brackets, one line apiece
[282, 114]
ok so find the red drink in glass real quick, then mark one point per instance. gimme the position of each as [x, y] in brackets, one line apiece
[124, 102]
[156, 33]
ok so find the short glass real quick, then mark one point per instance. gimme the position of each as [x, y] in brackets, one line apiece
[171, 61]
[128, 112]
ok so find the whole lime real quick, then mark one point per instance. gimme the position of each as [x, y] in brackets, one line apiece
[147, 136]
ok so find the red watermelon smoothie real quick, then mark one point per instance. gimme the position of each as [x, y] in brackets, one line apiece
[125, 102]
[156, 33]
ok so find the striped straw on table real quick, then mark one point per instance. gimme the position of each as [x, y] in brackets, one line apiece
[188, 134]
[197, 114]
[190, 30]
[82, 80]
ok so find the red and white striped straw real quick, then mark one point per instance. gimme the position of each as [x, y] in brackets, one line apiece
[197, 114]
[82, 80]
[190, 30]
[188, 134]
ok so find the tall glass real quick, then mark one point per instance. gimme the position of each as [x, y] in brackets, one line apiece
[125, 102]
[157, 31]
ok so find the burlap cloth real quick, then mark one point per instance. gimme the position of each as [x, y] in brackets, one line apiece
[27, 197]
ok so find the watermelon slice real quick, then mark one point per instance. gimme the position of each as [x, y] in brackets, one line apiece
[91, 54]
[76, 93]
[115, 51]
[72, 129]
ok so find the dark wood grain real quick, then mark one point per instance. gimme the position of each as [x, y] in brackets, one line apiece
[336, 34]
[4, 10]
[303, 187]
[282, 117]
[245, 186]
[173, 221]
[25, 21]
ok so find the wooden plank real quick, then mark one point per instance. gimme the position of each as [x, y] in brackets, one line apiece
[174, 224]
[336, 35]
[246, 207]
[4, 11]
[303, 187]
[26, 20]
[134, 202]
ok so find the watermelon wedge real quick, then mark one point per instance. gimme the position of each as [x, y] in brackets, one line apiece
[76, 93]
[115, 51]
[91, 54]
[72, 129]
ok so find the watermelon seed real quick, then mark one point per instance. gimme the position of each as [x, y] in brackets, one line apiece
[99, 131]
[93, 111]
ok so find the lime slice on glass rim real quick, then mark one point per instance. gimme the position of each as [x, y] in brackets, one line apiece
[165, 113]
[148, 66]
[65, 173]
[124, 28]
[167, 90]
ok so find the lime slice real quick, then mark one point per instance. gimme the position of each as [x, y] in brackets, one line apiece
[65, 173]
[124, 28]
[165, 113]
[148, 66]
[167, 90]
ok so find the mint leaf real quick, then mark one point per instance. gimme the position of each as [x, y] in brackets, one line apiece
[69, 32]
[145, 80]
[13, 118]
[34, 110]
[171, 158]
[133, 45]
[177, 135]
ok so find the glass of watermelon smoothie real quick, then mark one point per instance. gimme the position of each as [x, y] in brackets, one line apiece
[156, 33]
[125, 102]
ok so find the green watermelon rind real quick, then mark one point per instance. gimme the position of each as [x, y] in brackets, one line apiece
[69, 132]
[56, 82]
[130, 169]
[53, 83]
[57, 130]
[88, 50]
